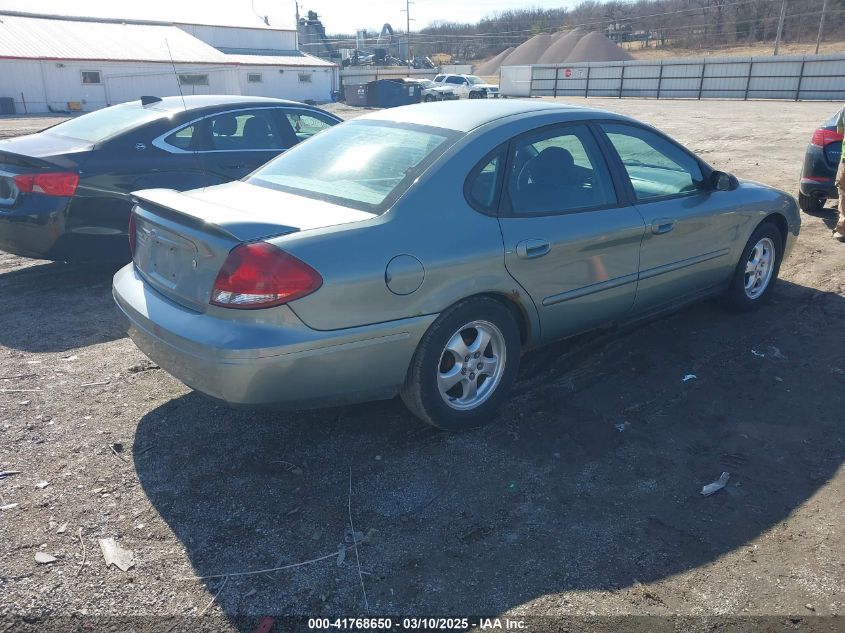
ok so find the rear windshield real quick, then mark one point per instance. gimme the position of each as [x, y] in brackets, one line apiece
[365, 165]
[100, 125]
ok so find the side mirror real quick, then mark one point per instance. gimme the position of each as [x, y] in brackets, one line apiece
[722, 181]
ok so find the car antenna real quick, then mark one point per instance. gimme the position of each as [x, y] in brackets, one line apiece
[175, 74]
[184, 105]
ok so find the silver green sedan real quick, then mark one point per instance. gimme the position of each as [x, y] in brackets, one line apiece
[421, 250]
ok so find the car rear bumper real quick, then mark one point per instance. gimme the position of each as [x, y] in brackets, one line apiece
[818, 188]
[818, 174]
[277, 360]
[33, 227]
[45, 227]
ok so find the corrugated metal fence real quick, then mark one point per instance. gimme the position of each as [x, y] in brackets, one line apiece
[811, 77]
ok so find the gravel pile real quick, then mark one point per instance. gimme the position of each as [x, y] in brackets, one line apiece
[529, 52]
[491, 66]
[595, 47]
[562, 47]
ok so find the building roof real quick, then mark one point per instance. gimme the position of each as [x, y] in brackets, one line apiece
[287, 58]
[49, 38]
[233, 13]
[23, 37]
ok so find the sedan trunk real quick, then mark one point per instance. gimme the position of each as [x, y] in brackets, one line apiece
[183, 239]
[34, 153]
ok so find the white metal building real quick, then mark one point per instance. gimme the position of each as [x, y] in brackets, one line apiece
[64, 63]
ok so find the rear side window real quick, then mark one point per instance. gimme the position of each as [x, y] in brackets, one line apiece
[455, 80]
[244, 131]
[183, 139]
[656, 167]
[483, 184]
[558, 170]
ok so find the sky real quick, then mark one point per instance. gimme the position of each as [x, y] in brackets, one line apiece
[338, 16]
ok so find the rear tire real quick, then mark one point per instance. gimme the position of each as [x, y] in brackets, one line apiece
[464, 366]
[757, 270]
[811, 204]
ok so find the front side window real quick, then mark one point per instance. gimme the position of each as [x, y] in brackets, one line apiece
[558, 171]
[193, 80]
[243, 131]
[455, 80]
[362, 164]
[307, 125]
[657, 168]
[91, 77]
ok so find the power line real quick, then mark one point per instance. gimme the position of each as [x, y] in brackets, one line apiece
[339, 38]
[685, 27]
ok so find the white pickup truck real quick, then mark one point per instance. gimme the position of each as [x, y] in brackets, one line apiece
[468, 86]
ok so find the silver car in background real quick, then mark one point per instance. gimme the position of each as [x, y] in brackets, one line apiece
[430, 91]
[420, 250]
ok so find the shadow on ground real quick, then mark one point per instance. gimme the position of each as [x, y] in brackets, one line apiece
[552, 497]
[74, 301]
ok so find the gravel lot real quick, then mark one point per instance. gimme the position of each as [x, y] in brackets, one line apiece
[550, 510]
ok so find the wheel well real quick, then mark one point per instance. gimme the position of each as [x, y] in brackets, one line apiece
[517, 311]
[780, 222]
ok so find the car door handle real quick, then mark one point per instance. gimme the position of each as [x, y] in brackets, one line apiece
[662, 225]
[529, 249]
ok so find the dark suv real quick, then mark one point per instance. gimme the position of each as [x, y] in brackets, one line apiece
[820, 162]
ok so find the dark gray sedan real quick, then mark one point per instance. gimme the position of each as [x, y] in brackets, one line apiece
[65, 191]
[421, 250]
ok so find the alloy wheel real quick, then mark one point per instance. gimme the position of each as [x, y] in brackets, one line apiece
[471, 365]
[759, 268]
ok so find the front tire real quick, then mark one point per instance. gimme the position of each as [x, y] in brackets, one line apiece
[464, 365]
[757, 270]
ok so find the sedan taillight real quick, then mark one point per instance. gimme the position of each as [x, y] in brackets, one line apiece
[53, 183]
[260, 275]
[823, 136]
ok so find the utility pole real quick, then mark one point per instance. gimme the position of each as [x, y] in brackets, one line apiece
[780, 26]
[407, 11]
[821, 26]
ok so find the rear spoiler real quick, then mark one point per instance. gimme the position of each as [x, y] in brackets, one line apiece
[207, 216]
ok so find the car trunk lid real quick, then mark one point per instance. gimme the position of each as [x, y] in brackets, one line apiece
[183, 239]
[34, 153]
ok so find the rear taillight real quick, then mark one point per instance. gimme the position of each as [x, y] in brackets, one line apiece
[133, 236]
[259, 275]
[53, 183]
[822, 137]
